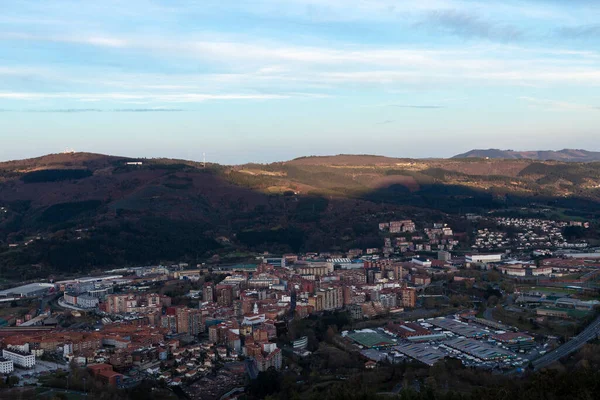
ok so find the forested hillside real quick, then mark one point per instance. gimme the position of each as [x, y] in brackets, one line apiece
[69, 213]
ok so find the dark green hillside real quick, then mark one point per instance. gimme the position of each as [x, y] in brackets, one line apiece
[62, 212]
[55, 175]
[92, 211]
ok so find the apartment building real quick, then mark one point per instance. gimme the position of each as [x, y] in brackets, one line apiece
[19, 358]
[409, 297]
[332, 298]
[6, 366]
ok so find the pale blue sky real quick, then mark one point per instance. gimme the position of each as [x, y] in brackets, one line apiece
[269, 80]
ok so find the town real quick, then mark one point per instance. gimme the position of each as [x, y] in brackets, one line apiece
[205, 331]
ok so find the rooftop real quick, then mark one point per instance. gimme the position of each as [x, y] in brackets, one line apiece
[369, 338]
[421, 352]
[457, 327]
[478, 349]
[19, 352]
[27, 289]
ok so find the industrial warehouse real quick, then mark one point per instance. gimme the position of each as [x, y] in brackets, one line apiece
[368, 338]
[425, 354]
[457, 327]
[478, 349]
[428, 341]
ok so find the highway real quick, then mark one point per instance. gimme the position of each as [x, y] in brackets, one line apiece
[591, 332]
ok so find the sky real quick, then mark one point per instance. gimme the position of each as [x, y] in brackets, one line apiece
[270, 80]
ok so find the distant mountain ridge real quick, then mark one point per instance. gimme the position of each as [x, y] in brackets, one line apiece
[566, 155]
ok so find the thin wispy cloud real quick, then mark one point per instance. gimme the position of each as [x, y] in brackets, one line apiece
[468, 25]
[381, 11]
[63, 110]
[168, 98]
[144, 110]
[101, 41]
[386, 122]
[580, 32]
[291, 68]
[99, 110]
[556, 105]
[417, 106]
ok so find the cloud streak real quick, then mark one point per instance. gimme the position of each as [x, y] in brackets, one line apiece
[580, 32]
[417, 106]
[167, 98]
[468, 25]
[99, 110]
[555, 105]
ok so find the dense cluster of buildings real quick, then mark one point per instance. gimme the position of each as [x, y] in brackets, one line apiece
[526, 234]
[403, 236]
[240, 314]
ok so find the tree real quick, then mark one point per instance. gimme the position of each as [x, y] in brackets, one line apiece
[330, 334]
[12, 380]
[266, 383]
[430, 382]
[507, 286]
[494, 276]
[492, 301]
[429, 303]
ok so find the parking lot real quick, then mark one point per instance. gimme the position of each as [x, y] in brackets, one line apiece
[29, 376]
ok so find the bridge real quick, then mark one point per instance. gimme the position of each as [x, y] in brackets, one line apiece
[35, 321]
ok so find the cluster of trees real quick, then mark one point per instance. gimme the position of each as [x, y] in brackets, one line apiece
[62, 212]
[290, 237]
[575, 173]
[9, 381]
[120, 243]
[318, 328]
[447, 380]
[55, 175]
[80, 380]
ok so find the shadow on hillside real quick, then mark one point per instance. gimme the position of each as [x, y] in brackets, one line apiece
[169, 214]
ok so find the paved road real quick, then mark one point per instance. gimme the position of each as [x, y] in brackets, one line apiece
[591, 332]
[487, 314]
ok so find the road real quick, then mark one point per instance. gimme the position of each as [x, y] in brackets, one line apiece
[35, 321]
[487, 314]
[61, 303]
[591, 332]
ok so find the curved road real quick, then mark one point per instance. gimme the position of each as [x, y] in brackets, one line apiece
[590, 333]
[487, 314]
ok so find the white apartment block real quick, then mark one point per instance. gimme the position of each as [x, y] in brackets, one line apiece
[6, 366]
[483, 258]
[19, 358]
